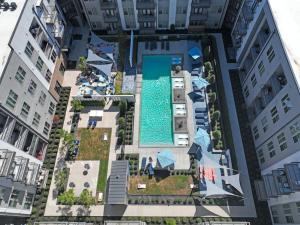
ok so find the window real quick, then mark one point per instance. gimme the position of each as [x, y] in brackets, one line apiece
[36, 119]
[57, 87]
[42, 98]
[261, 68]
[286, 104]
[46, 128]
[53, 56]
[29, 50]
[274, 213]
[32, 87]
[25, 110]
[253, 80]
[39, 64]
[286, 209]
[289, 219]
[62, 69]
[14, 198]
[271, 149]
[48, 75]
[282, 141]
[12, 99]
[246, 91]
[270, 54]
[295, 131]
[28, 201]
[298, 206]
[260, 155]
[264, 123]
[255, 133]
[51, 108]
[274, 114]
[20, 75]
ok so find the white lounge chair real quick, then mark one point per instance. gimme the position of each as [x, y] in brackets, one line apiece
[141, 186]
[183, 142]
[181, 112]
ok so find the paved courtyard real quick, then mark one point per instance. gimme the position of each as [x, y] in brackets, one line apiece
[83, 175]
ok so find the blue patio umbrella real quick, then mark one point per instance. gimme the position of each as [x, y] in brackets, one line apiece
[195, 95]
[202, 138]
[195, 53]
[165, 158]
[200, 83]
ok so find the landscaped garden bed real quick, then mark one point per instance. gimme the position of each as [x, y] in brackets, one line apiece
[125, 123]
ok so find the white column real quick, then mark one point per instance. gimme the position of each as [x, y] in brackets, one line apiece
[188, 13]
[121, 13]
[136, 15]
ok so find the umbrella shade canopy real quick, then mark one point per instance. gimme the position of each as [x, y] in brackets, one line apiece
[209, 161]
[234, 180]
[194, 149]
[214, 191]
[200, 83]
[195, 95]
[195, 53]
[202, 138]
[165, 158]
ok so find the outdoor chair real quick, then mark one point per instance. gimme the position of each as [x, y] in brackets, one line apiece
[168, 46]
[199, 110]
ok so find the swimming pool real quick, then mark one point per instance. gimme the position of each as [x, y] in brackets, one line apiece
[156, 120]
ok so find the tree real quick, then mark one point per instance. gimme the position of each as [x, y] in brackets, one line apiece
[208, 66]
[86, 198]
[212, 97]
[216, 115]
[67, 198]
[60, 179]
[170, 221]
[121, 122]
[68, 138]
[82, 65]
[123, 107]
[217, 135]
[76, 105]
[121, 135]
[212, 79]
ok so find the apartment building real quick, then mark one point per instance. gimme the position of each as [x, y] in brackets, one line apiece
[31, 73]
[266, 38]
[148, 16]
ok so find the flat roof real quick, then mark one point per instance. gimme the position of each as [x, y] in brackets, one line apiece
[287, 19]
[117, 189]
[8, 21]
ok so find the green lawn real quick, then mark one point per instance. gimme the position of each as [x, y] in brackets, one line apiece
[92, 147]
[172, 185]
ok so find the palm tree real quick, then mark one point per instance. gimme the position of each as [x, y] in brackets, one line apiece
[76, 105]
[82, 65]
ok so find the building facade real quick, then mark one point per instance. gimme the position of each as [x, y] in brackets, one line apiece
[153, 15]
[268, 59]
[31, 73]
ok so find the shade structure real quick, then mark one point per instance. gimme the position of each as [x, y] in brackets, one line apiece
[208, 161]
[94, 58]
[234, 180]
[194, 149]
[103, 69]
[195, 95]
[195, 53]
[96, 113]
[165, 158]
[202, 138]
[214, 191]
[200, 83]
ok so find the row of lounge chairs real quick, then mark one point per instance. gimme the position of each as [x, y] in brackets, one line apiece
[76, 148]
[152, 45]
[92, 123]
[201, 118]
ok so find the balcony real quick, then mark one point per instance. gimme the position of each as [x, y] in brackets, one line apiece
[110, 18]
[6, 159]
[281, 182]
[145, 4]
[201, 3]
[32, 174]
[146, 17]
[19, 169]
[108, 4]
[199, 17]
[293, 174]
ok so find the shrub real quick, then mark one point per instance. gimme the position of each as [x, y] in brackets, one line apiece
[216, 115]
[212, 97]
[123, 107]
[76, 105]
[212, 79]
[86, 198]
[121, 122]
[121, 135]
[170, 221]
[217, 135]
[67, 198]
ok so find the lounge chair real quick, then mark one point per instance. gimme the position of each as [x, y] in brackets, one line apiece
[76, 142]
[90, 123]
[183, 142]
[75, 151]
[94, 123]
[146, 45]
[200, 117]
[200, 110]
[141, 186]
[143, 164]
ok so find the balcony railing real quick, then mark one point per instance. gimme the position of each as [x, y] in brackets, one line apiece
[146, 17]
[6, 159]
[110, 19]
[108, 4]
[201, 3]
[145, 4]
[199, 17]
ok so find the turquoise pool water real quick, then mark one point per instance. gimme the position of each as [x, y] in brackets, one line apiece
[156, 121]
